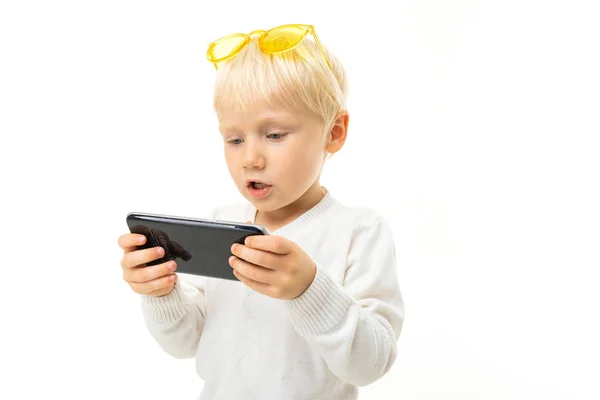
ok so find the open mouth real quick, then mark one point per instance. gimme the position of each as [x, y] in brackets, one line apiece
[258, 189]
[257, 185]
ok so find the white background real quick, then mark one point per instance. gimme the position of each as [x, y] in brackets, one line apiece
[474, 129]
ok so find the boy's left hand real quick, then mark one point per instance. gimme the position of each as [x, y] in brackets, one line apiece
[273, 265]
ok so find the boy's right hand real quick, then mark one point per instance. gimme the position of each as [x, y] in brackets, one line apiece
[155, 280]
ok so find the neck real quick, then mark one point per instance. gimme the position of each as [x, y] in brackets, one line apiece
[274, 220]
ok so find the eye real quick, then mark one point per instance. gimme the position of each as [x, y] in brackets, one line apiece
[235, 141]
[276, 136]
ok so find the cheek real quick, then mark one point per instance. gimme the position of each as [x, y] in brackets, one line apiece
[231, 161]
[301, 165]
[231, 155]
[228, 159]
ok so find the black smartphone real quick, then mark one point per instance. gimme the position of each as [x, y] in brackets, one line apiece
[198, 246]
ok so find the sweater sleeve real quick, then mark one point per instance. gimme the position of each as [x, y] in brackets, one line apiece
[177, 319]
[355, 327]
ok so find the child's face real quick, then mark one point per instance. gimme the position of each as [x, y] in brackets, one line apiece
[282, 149]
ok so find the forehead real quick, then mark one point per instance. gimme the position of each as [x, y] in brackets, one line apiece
[262, 114]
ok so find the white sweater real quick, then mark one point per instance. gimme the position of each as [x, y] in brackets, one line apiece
[341, 333]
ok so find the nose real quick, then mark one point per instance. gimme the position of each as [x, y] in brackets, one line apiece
[252, 156]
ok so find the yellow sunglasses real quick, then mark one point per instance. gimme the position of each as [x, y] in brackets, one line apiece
[274, 41]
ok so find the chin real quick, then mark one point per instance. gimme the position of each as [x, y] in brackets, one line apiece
[263, 206]
[267, 205]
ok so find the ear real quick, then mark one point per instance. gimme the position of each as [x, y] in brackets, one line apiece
[337, 133]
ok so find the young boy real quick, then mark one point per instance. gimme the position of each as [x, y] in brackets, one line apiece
[318, 311]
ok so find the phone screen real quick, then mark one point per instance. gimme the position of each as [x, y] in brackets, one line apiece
[198, 248]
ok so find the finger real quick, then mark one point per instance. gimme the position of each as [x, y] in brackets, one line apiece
[162, 292]
[146, 274]
[140, 257]
[154, 285]
[129, 241]
[270, 243]
[251, 271]
[256, 257]
[260, 287]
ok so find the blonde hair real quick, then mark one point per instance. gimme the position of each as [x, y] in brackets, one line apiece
[297, 79]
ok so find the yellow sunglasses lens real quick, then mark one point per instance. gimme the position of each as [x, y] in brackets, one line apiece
[226, 47]
[282, 38]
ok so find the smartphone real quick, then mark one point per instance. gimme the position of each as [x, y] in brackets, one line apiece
[198, 246]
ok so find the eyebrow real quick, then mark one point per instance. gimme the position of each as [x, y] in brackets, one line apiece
[265, 121]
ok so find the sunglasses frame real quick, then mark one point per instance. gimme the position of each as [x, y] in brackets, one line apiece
[306, 29]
